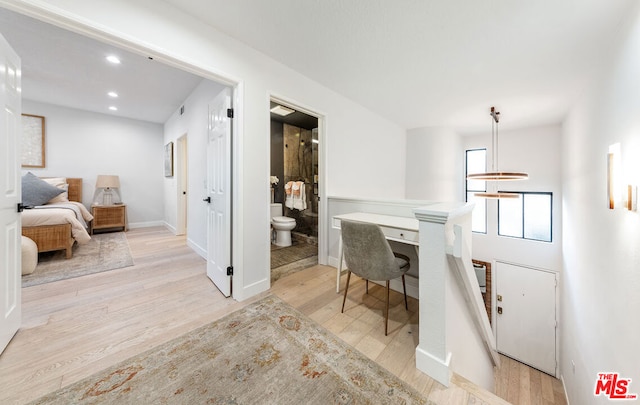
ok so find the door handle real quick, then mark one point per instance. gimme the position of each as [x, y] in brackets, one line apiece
[207, 200]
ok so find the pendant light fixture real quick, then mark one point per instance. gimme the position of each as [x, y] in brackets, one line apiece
[495, 174]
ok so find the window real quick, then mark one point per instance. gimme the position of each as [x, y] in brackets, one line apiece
[476, 162]
[527, 217]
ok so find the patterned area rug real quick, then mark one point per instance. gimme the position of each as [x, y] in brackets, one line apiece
[106, 251]
[266, 353]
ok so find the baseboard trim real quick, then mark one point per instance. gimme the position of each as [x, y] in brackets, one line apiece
[433, 367]
[149, 224]
[196, 248]
[169, 227]
[564, 390]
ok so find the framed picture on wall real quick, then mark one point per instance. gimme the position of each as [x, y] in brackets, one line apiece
[32, 153]
[168, 160]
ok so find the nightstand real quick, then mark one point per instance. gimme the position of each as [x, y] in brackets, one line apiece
[111, 217]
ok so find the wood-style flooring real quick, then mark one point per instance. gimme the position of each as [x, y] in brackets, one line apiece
[74, 328]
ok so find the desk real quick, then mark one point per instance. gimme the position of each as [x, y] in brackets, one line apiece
[398, 229]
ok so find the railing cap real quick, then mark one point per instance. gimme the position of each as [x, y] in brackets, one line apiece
[440, 213]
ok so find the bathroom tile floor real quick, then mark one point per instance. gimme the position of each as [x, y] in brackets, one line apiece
[287, 260]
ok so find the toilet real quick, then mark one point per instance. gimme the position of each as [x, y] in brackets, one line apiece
[282, 225]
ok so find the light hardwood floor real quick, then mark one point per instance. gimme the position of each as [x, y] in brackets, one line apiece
[73, 328]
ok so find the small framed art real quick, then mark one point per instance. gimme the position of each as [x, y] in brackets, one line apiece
[168, 160]
[33, 141]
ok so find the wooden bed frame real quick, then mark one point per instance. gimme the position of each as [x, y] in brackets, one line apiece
[56, 237]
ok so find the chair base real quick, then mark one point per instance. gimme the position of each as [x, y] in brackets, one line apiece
[386, 314]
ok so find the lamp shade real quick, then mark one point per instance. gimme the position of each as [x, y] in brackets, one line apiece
[107, 181]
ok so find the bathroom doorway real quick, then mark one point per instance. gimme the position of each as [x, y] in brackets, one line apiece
[295, 176]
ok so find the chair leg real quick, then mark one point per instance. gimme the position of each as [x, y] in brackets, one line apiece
[386, 314]
[366, 286]
[346, 288]
[404, 288]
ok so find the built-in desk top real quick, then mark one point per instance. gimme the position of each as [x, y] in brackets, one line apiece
[400, 229]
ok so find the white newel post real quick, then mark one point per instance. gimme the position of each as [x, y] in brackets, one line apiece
[432, 354]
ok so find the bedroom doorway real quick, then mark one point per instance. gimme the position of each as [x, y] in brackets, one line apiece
[182, 185]
[197, 229]
[10, 245]
[219, 192]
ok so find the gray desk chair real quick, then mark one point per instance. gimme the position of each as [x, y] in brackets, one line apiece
[368, 255]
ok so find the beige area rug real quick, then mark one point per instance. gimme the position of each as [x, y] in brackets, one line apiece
[106, 251]
[266, 353]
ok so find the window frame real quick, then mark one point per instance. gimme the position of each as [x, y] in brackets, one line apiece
[522, 197]
[466, 185]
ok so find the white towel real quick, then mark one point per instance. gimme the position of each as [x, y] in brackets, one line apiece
[295, 188]
[288, 200]
[299, 196]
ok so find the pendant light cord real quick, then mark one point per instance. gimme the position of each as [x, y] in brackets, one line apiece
[494, 138]
[495, 175]
[495, 147]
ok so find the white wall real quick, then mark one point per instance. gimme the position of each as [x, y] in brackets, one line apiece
[470, 356]
[535, 151]
[600, 286]
[435, 171]
[357, 142]
[86, 144]
[193, 123]
[434, 165]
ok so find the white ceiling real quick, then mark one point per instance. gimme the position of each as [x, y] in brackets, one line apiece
[416, 62]
[63, 68]
[427, 62]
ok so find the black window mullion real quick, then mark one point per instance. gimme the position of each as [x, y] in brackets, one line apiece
[523, 197]
[524, 194]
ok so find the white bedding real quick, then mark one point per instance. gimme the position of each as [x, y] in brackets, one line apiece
[71, 212]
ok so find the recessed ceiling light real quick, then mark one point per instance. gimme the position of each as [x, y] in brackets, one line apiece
[112, 94]
[282, 111]
[113, 108]
[113, 59]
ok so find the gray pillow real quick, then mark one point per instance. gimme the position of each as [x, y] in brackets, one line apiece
[36, 191]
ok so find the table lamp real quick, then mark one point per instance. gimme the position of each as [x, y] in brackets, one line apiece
[107, 182]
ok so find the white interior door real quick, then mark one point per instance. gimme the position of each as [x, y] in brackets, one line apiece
[182, 185]
[526, 319]
[219, 192]
[10, 233]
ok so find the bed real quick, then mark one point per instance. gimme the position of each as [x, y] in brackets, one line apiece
[61, 221]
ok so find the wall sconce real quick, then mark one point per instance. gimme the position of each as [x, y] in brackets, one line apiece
[632, 198]
[614, 176]
[620, 195]
[107, 183]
